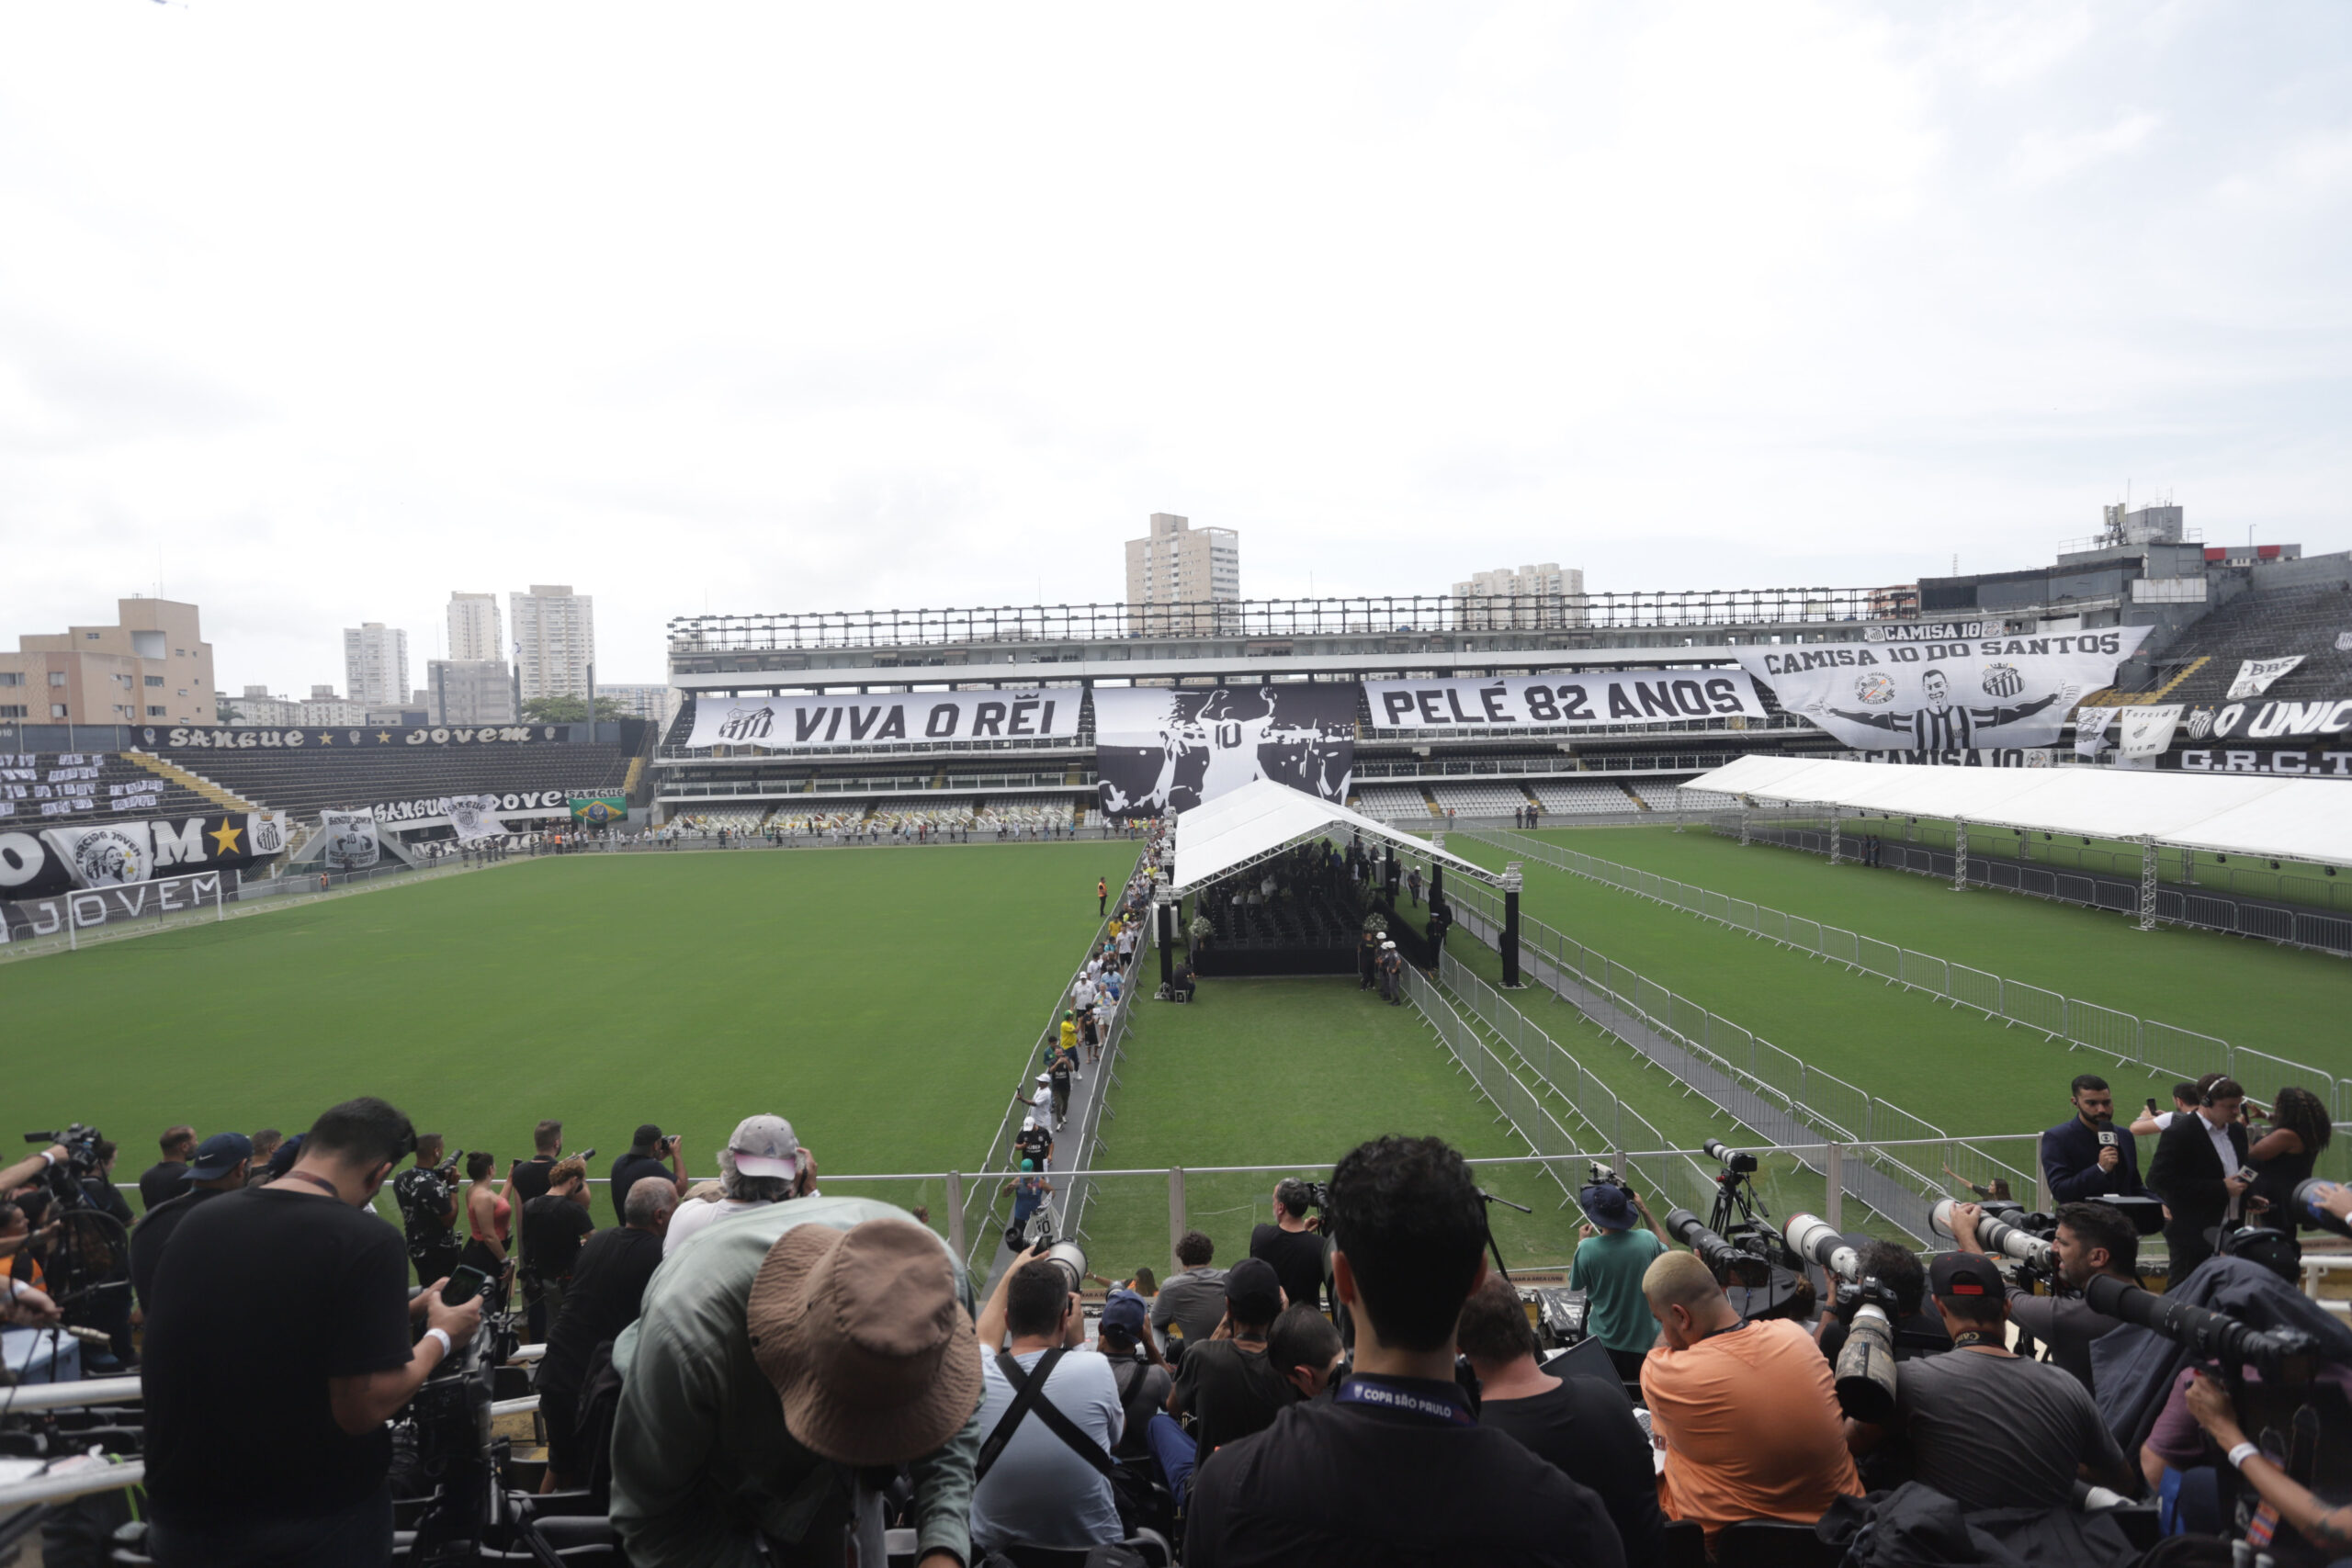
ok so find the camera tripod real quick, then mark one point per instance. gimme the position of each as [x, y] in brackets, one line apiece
[1737, 1203]
[1492, 1245]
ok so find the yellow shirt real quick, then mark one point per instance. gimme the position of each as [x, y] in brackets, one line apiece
[1069, 1035]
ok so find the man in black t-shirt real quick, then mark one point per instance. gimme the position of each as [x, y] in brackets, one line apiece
[427, 1196]
[608, 1283]
[1225, 1383]
[221, 1164]
[281, 1314]
[554, 1225]
[1584, 1425]
[646, 1152]
[1292, 1244]
[167, 1177]
[530, 1177]
[1394, 1467]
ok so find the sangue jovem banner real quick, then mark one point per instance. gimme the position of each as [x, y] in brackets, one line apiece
[776, 723]
[1594, 696]
[1995, 692]
[107, 905]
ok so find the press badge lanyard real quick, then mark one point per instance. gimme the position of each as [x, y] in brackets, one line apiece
[1433, 1401]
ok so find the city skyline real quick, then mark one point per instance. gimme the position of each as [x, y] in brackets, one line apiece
[1704, 297]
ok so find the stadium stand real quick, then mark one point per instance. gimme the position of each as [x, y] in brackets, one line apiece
[1480, 799]
[60, 789]
[1387, 801]
[307, 782]
[2265, 623]
[1562, 797]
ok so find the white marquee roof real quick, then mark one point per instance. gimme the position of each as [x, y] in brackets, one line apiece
[2275, 819]
[1249, 823]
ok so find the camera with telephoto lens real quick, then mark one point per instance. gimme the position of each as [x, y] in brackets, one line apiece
[1866, 1305]
[1736, 1161]
[1732, 1265]
[2283, 1354]
[1605, 1176]
[81, 1143]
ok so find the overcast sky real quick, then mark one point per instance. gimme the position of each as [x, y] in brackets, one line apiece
[321, 311]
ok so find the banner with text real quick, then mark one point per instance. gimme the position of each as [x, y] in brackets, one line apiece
[112, 906]
[2256, 676]
[2314, 763]
[2270, 721]
[1994, 757]
[113, 855]
[1159, 749]
[1996, 691]
[1596, 697]
[778, 724]
[347, 840]
[2148, 730]
[249, 738]
[471, 819]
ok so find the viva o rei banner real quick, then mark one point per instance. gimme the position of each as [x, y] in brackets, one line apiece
[118, 854]
[781, 723]
[1944, 696]
[1594, 696]
[1159, 748]
[599, 810]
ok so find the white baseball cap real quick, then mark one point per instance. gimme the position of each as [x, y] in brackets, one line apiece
[1028, 1123]
[1388, 944]
[764, 1146]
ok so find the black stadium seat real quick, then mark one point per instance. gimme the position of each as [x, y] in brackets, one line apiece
[1773, 1543]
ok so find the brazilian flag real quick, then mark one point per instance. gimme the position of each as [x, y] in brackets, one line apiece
[599, 810]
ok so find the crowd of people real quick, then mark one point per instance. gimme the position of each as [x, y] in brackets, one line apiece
[1359, 1386]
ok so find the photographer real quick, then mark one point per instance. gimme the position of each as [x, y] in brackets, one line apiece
[1124, 1337]
[1292, 1244]
[2092, 1239]
[2085, 1156]
[427, 1195]
[1986, 1427]
[531, 1178]
[30, 1168]
[1900, 1271]
[550, 1230]
[643, 1162]
[2195, 1171]
[282, 1313]
[1608, 1267]
[1394, 1467]
[2326, 1526]
[791, 1339]
[1225, 1383]
[1046, 1480]
[1746, 1411]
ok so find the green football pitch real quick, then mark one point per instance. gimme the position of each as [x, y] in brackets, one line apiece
[885, 1000]
[1956, 1070]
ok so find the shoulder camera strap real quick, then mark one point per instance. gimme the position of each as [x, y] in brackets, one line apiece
[1029, 1394]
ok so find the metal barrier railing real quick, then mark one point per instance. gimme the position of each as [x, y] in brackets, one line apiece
[2130, 1040]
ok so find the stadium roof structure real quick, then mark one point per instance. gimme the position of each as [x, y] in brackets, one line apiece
[2275, 819]
[1262, 817]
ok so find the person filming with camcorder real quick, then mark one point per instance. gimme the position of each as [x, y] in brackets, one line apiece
[282, 1315]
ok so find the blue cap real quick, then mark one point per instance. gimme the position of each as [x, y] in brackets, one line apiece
[218, 1155]
[1608, 1205]
[1124, 1312]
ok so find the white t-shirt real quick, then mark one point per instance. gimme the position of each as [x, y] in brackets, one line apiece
[692, 1219]
[1039, 1492]
[2166, 1119]
[1084, 992]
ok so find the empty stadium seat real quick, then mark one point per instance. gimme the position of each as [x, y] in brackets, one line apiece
[1392, 801]
[1479, 799]
[79, 788]
[307, 781]
[1579, 797]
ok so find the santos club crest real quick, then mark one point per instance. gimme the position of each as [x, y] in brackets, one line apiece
[2003, 681]
[747, 724]
[1874, 689]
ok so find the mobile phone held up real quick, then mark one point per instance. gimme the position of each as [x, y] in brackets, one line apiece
[466, 1282]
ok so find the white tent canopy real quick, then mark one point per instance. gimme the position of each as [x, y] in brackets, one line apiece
[2273, 818]
[1249, 824]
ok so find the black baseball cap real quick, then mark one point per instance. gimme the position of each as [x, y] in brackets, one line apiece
[1966, 1274]
[647, 1136]
[219, 1155]
[1253, 1290]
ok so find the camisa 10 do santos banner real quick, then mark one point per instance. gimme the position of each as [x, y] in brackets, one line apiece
[1944, 696]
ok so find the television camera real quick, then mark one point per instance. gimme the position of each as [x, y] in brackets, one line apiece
[88, 1245]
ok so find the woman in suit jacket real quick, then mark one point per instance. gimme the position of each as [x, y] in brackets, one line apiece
[2190, 1175]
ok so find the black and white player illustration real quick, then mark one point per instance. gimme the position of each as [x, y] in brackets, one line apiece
[1943, 725]
[1210, 742]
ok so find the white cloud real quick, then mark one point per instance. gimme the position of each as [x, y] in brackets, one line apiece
[781, 308]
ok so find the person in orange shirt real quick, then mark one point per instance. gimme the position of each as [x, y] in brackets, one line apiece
[1746, 1411]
